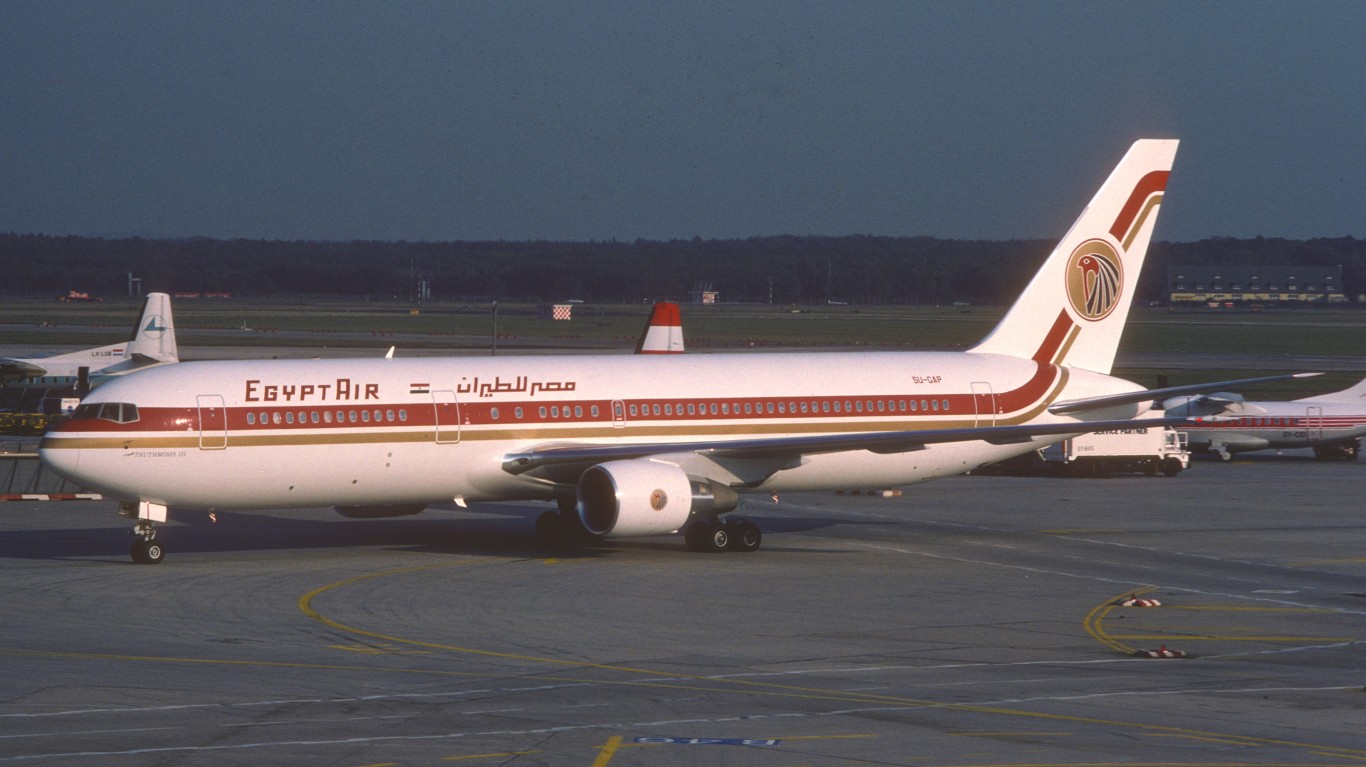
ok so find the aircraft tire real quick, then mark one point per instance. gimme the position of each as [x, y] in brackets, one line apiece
[696, 536]
[549, 529]
[147, 552]
[745, 536]
[719, 538]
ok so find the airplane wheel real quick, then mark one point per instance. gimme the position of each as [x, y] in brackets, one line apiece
[147, 552]
[746, 537]
[695, 536]
[718, 538]
[549, 529]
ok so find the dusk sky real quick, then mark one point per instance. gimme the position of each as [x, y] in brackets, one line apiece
[625, 120]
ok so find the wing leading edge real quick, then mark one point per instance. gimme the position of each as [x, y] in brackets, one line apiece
[565, 456]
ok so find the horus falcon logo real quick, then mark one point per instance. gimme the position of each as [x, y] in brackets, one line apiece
[1095, 279]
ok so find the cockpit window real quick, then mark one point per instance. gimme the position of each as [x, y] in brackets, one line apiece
[118, 412]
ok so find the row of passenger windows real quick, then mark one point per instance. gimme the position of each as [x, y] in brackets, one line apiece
[794, 407]
[1269, 421]
[267, 418]
[747, 408]
[326, 416]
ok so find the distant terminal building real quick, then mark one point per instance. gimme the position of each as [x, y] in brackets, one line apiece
[1234, 285]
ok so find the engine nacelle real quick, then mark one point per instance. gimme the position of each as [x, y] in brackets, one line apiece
[379, 512]
[643, 497]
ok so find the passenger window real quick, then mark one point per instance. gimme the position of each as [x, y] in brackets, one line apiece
[493, 413]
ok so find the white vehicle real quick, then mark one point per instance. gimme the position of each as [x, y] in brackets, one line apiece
[152, 343]
[1138, 448]
[631, 445]
[1332, 424]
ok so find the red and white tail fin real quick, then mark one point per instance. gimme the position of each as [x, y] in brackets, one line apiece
[664, 334]
[1073, 311]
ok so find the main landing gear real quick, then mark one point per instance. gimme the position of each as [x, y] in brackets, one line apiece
[716, 536]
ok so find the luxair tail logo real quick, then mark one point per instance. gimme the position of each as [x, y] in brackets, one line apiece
[155, 327]
[1095, 279]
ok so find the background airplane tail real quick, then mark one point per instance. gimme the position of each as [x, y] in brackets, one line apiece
[154, 336]
[1073, 311]
[1355, 395]
[664, 333]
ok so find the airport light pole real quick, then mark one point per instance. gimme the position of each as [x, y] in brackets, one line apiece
[493, 347]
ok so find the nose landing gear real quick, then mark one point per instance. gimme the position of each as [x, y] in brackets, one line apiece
[146, 550]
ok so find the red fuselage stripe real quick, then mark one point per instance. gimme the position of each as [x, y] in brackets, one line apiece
[426, 414]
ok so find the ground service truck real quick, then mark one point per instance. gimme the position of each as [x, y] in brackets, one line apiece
[1146, 449]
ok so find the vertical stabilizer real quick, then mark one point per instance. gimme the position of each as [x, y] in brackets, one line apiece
[1355, 395]
[1073, 311]
[664, 334]
[154, 335]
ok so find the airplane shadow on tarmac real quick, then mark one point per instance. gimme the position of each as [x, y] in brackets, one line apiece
[498, 530]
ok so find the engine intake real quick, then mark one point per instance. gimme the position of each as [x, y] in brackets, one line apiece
[644, 497]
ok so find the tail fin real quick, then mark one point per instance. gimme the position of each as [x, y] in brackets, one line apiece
[664, 334]
[1355, 395]
[153, 337]
[1073, 311]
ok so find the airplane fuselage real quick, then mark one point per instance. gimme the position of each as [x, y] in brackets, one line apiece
[279, 433]
[1279, 425]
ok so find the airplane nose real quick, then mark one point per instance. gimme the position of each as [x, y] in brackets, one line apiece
[64, 461]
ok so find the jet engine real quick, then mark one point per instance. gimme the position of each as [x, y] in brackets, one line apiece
[644, 497]
[379, 512]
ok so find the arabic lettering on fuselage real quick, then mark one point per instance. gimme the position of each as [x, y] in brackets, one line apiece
[517, 385]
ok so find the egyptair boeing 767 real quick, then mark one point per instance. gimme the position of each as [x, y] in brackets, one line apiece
[631, 445]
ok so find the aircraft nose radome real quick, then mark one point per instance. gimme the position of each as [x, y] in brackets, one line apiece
[64, 461]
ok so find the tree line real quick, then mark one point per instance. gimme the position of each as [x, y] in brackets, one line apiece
[787, 269]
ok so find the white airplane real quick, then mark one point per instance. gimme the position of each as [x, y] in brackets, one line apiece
[631, 445]
[1332, 424]
[152, 343]
[663, 334]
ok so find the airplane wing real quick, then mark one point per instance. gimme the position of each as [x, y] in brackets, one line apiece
[568, 456]
[1144, 395]
[135, 362]
[13, 368]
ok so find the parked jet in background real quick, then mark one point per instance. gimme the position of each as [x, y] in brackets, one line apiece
[631, 444]
[152, 343]
[1332, 424]
[663, 334]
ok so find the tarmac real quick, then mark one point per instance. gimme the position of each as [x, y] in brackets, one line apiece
[968, 621]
